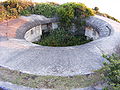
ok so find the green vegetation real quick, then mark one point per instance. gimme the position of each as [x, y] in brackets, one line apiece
[53, 82]
[112, 72]
[50, 9]
[69, 13]
[46, 9]
[60, 37]
[12, 8]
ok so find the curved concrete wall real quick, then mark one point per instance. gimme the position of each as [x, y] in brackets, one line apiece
[62, 61]
[101, 26]
[33, 21]
[33, 34]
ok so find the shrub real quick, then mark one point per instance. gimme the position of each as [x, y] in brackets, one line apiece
[112, 72]
[3, 13]
[14, 7]
[13, 12]
[68, 12]
[66, 15]
[25, 12]
[18, 4]
[46, 9]
[62, 38]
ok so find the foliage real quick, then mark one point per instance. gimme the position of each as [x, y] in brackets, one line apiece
[112, 72]
[66, 15]
[46, 9]
[68, 12]
[18, 4]
[12, 8]
[62, 38]
[25, 12]
[3, 13]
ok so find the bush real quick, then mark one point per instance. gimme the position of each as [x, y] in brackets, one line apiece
[68, 12]
[3, 13]
[46, 9]
[66, 15]
[13, 8]
[61, 38]
[112, 72]
[18, 4]
[25, 12]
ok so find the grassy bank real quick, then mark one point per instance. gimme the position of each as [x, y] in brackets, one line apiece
[54, 82]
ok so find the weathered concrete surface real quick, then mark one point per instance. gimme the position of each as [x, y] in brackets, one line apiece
[88, 88]
[16, 28]
[10, 86]
[21, 55]
[8, 28]
[101, 26]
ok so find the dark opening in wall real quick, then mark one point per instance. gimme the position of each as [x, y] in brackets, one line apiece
[31, 31]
